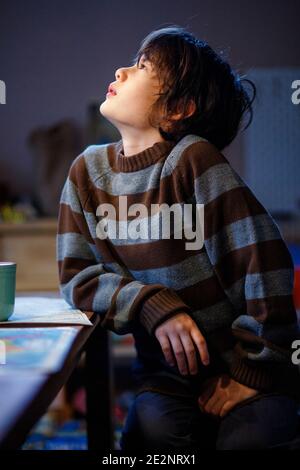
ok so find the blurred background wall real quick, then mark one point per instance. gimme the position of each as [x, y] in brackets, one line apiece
[56, 57]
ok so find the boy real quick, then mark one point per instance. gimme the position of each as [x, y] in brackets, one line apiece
[213, 326]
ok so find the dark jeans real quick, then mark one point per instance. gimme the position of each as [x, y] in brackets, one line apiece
[158, 421]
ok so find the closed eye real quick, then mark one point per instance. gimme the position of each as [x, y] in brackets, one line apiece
[141, 65]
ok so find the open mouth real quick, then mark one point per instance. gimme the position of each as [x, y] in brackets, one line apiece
[110, 91]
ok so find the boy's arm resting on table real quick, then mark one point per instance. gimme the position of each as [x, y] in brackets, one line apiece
[87, 284]
[255, 269]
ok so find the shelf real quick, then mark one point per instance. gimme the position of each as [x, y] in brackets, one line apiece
[32, 245]
[43, 225]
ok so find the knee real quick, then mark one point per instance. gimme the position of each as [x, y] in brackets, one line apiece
[160, 426]
[154, 424]
[142, 424]
[262, 424]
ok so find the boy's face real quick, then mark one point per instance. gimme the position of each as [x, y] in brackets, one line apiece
[136, 90]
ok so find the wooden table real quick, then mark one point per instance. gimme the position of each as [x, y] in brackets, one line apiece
[26, 395]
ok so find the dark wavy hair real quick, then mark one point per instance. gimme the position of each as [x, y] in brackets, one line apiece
[189, 70]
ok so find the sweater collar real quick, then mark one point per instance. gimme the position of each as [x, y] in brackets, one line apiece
[142, 159]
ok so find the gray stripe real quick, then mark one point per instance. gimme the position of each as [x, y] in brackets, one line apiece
[124, 301]
[98, 168]
[215, 181]
[97, 254]
[180, 275]
[69, 196]
[153, 227]
[103, 177]
[73, 245]
[118, 269]
[241, 233]
[260, 286]
[266, 284]
[91, 222]
[139, 181]
[267, 354]
[248, 323]
[90, 272]
[107, 285]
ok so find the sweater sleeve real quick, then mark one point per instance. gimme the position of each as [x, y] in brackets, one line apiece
[253, 266]
[86, 281]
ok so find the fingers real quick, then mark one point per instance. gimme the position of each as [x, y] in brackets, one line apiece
[167, 349]
[179, 354]
[211, 401]
[201, 345]
[182, 349]
[214, 399]
[214, 404]
[228, 405]
[190, 353]
[180, 340]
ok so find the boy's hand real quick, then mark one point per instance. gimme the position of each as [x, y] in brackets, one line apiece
[221, 394]
[179, 336]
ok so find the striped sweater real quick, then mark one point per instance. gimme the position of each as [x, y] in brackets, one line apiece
[237, 286]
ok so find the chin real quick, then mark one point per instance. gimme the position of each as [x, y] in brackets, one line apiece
[106, 112]
[107, 115]
[102, 109]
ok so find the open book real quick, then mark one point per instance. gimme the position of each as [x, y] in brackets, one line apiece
[35, 348]
[45, 311]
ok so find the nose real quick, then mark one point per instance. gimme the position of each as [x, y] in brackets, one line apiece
[120, 73]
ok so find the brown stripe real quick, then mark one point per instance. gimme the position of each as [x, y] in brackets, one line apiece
[112, 150]
[108, 321]
[229, 207]
[79, 176]
[195, 161]
[203, 294]
[73, 222]
[276, 309]
[69, 267]
[256, 258]
[109, 254]
[144, 294]
[164, 253]
[84, 293]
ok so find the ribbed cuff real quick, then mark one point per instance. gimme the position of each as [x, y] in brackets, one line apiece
[253, 376]
[161, 306]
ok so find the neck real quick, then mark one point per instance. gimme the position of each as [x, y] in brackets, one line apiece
[137, 141]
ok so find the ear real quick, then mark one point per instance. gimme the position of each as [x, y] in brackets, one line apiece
[189, 111]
